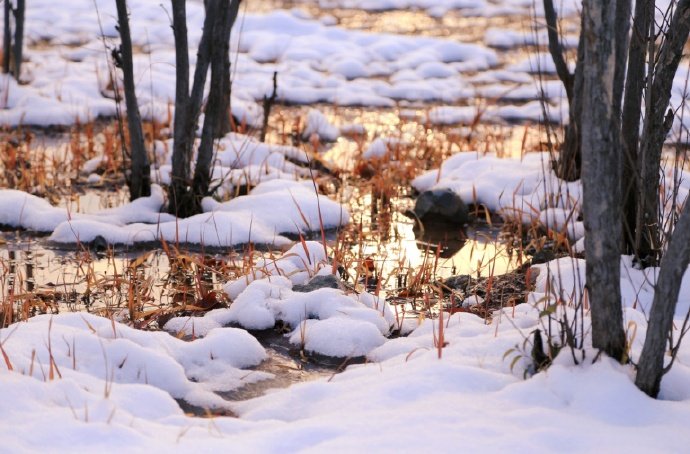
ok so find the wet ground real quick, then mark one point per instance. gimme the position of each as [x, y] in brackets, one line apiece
[146, 286]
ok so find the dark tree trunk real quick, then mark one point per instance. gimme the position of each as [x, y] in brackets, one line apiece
[7, 39]
[18, 37]
[182, 201]
[202, 172]
[140, 178]
[223, 123]
[600, 178]
[651, 368]
[622, 25]
[556, 50]
[630, 129]
[569, 161]
[179, 193]
[657, 124]
[203, 61]
[268, 102]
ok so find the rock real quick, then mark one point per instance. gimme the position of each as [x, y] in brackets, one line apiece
[443, 205]
[543, 256]
[98, 244]
[460, 282]
[320, 281]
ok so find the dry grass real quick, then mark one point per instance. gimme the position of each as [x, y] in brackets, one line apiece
[147, 288]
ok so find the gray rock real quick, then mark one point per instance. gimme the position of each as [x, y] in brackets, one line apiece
[317, 282]
[442, 205]
[461, 282]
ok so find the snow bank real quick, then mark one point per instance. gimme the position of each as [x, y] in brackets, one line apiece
[325, 321]
[525, 188]
[565, 278]
[100, 354]
[437, 8]
[460, 397]
[116, 385]
[285, 207]
[67, 81]
[280, 203]
[22, 210]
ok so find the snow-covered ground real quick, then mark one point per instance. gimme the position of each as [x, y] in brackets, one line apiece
[271, 209]
[67, 78]
[67, 75]
[80, 382]
[77, 382]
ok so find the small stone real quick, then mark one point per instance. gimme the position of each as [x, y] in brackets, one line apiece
[320, 281]
[442, 204]
[543, 256]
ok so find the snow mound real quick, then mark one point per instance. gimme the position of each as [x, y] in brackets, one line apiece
[525, 189]
[285, 207]
[19, 209]
[83, 348]
[317, 124]
[325, 321]
[298, 264]
[117, 383]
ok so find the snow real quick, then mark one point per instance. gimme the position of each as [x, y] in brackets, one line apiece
[467, 397]
[20, 209]
[382, 147]
[318, 124]
[289, 208]
[325, 321]
[288, 205]
[260, 217]
[436, 8]
[314, 61]
[337, 337]
[501, 38]
[90, 351]
[79, 382]
[525, 189]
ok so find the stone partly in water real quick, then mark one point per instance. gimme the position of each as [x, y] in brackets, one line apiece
[496, 292]
[98, 244]
[441, 205]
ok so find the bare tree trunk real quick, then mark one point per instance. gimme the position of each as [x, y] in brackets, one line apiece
[202, 172]
[569, 161]
[179, 194]
[222, 126]
[600, 178]
[656, 126]
[140, 178]
[18, 37]
[650, 368]
[7, 39]
[556, 50]
[630, 128]
[622, 31]
[182, 201]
